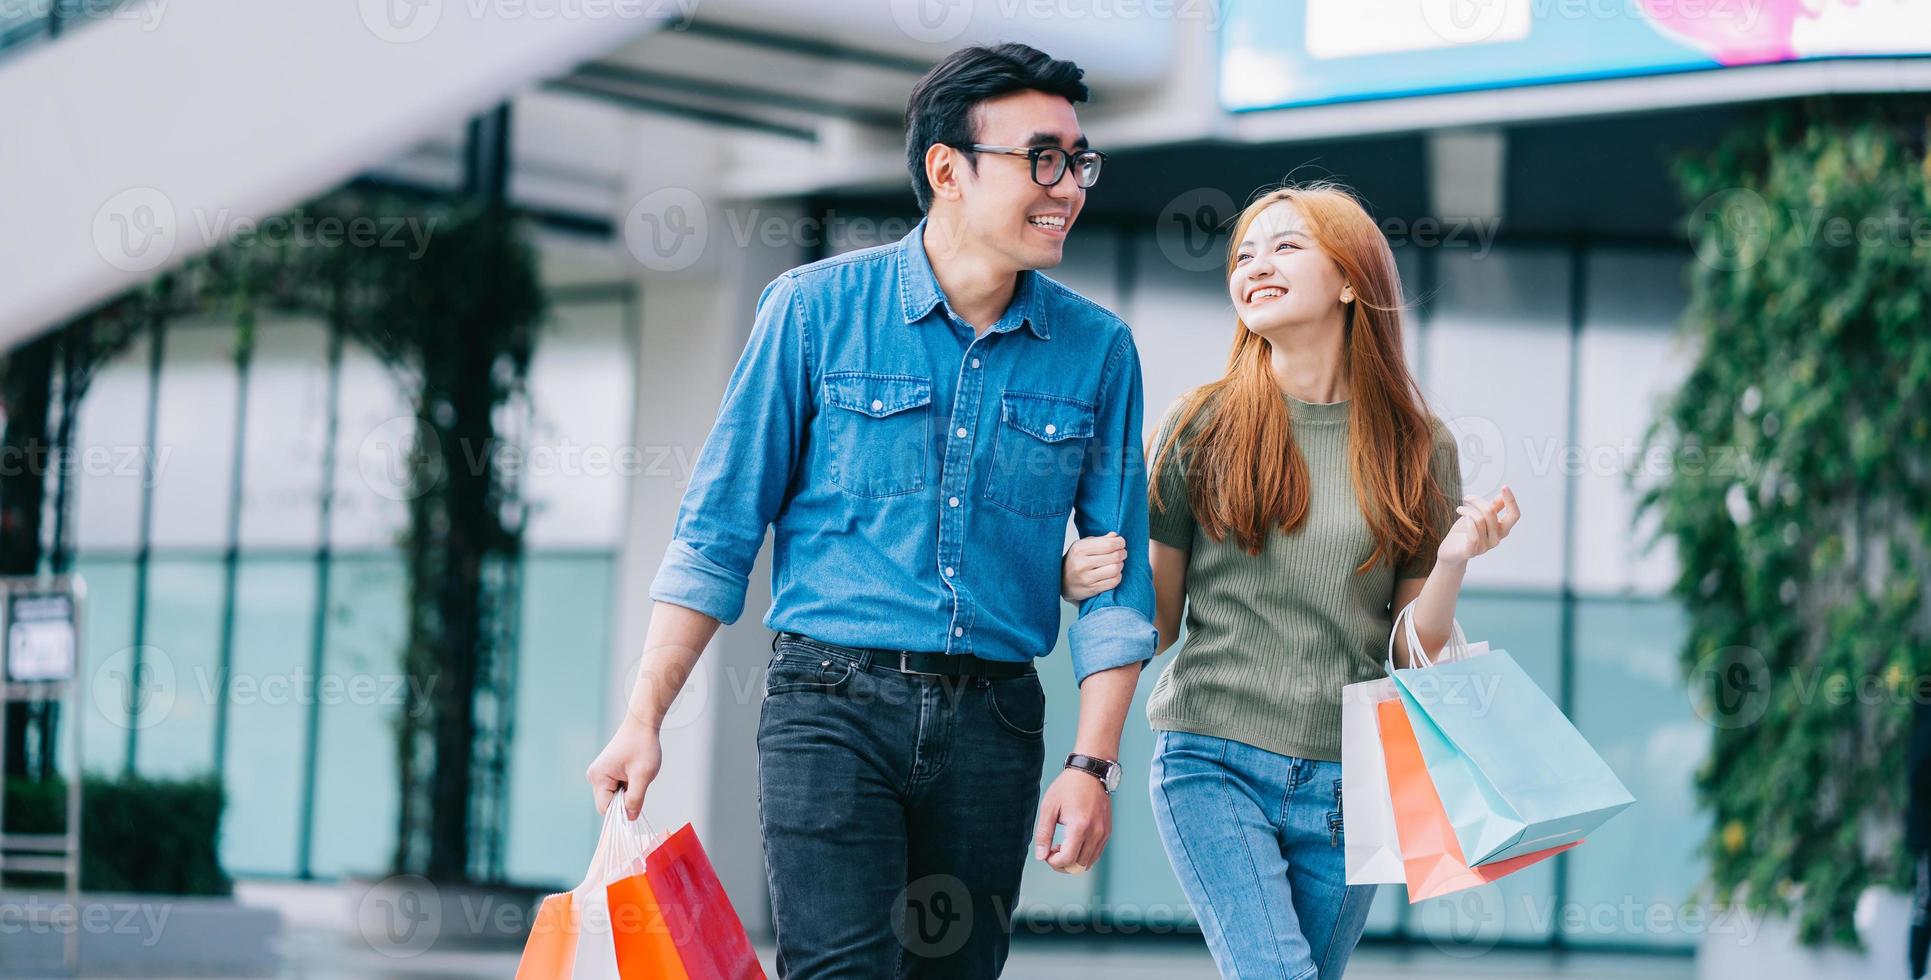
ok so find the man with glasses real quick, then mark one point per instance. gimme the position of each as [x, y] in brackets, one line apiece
[917, 422]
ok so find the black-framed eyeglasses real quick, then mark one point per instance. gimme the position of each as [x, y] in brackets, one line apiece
[1049, 163]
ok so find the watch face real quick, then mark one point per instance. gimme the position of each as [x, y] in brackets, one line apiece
[1112, 777]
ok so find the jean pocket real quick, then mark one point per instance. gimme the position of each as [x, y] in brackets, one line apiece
[798, 671]
[1038, 453]
[1019, 705]
[877, 432]
[1334, 818]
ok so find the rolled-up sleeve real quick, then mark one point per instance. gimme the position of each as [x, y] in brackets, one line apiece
[742, 473]
[1115, 627]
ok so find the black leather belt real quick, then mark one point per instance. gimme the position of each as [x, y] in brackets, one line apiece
[919, 662]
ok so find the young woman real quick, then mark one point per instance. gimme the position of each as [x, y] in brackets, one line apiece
[1295, 504]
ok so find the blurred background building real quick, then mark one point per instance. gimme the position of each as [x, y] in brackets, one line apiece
[666, 162]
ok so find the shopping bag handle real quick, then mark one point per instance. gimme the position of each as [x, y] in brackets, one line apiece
[621, 842]
[1455, 649]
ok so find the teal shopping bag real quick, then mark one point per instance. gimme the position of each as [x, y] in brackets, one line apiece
[1514, 775]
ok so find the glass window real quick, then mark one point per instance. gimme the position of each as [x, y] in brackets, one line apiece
[110, 452]
[1498, 370]
[374, 437]
[195, 435]
[563, 661]
[355, 786]
[270, 686]
[180, 655]
[1630, 359]
[1637, 872]
[107, 632]
[573, 463]
[288, 405]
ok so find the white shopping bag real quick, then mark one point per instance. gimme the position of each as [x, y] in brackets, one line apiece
[1372, 850]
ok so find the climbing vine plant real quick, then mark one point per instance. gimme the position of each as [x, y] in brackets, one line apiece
[1804, 531]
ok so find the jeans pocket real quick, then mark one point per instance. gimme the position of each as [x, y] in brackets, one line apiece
[1038, 453]
[1018, 704]
[797, 671]
[1334, 818]
[877, 432]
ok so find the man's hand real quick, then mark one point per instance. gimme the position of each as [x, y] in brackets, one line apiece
[1092, 566]
[1077, 800]
[628, 763]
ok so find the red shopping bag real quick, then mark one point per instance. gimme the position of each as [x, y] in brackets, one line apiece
[1430, 854]
[709, 937]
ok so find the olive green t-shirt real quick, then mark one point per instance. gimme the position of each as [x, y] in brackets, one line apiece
[1273, 638]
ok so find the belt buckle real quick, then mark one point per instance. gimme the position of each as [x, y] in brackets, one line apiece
[904, 668]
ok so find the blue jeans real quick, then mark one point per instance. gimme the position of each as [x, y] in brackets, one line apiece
[1255, 838]
[897, 812]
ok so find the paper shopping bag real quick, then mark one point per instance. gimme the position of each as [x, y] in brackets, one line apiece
[1513, 774]
[649, 908]
[1370, 846]
[705, 928]
[1431, 858]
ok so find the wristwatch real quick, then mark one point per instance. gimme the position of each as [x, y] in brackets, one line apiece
[1105, 770]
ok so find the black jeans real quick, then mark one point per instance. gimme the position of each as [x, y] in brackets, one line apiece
[897, 812]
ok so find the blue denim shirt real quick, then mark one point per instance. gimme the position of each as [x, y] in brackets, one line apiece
[918, 480]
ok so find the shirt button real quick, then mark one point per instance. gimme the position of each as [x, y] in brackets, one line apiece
[962, 432]
[954, 502]
[876, 405]
[948, 571]
[1050, 429]
[958, 631]
[975, 362]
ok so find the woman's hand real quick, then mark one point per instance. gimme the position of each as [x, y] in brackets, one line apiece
[1482, 526]
[1092, 566]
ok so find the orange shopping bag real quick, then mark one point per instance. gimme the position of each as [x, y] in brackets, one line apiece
[1431, 856]
[650, 908]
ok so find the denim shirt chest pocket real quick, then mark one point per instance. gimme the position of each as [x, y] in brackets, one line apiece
[877, 431]
[1039, 453]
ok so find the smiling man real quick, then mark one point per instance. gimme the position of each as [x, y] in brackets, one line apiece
[917, 422]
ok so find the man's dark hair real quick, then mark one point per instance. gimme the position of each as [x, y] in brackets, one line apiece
[944, 103]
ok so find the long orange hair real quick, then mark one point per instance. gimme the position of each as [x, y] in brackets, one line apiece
[1245, 475]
